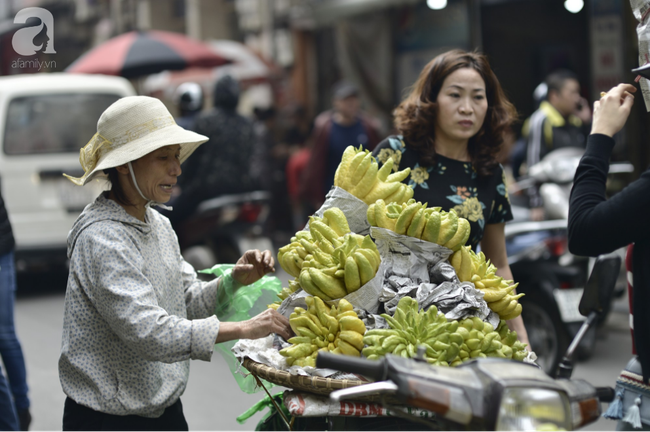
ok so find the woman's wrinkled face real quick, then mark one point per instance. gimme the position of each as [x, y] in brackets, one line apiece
[157, 172]
[462, 106]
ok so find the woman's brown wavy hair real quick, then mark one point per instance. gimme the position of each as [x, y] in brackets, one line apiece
[414, 117]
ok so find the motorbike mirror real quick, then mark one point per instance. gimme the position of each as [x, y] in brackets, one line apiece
[595, 296]
[600, 287]
[558, 166]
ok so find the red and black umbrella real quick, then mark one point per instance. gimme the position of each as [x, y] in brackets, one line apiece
[139, 53]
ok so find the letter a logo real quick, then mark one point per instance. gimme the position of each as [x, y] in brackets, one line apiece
[23, 40]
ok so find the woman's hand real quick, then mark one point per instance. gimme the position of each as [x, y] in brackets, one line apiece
[612, 110]
[268, 322]
[262, 325]
[252, 266]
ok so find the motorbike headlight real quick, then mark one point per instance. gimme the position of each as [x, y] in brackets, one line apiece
[527, 409]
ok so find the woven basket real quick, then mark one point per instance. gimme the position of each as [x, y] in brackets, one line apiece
[311, 384]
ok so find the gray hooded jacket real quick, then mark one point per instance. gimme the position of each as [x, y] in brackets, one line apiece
[135, 313]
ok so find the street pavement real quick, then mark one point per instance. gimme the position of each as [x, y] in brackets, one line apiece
[213, 399]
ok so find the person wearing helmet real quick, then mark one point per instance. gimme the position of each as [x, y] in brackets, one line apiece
[189, 99]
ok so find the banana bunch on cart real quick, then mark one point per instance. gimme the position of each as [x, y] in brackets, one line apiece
[334, 269]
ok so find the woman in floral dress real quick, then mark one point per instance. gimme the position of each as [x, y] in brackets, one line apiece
[451, 127]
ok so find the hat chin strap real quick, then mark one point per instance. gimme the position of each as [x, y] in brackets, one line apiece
[149, 202]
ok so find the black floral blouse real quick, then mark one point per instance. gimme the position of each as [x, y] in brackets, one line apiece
[452, 184]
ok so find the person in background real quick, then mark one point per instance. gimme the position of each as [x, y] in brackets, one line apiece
[334, 130]
[189, 99]
[222, 166]
[10, 348]
[562, 120]
[452, 126]
[135, 313]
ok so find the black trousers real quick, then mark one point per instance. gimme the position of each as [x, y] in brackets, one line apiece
[78, 418]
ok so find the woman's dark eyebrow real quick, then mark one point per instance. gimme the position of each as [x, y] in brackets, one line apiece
[463, 88]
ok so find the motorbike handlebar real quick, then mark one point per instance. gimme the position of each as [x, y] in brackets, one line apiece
[373, 369]
[605, 394]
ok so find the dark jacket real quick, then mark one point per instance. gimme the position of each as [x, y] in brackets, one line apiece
[598, 225]
[221, 165]
[313, 180]
[545, 131]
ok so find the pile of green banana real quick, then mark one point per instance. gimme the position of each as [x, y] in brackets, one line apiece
[472, 267]
[416, 220]
[480, 339]
[446, 343]
[294, 285]
[410, 328]
[324, 233]
[320, 328]
[359, 174]
[354, 261]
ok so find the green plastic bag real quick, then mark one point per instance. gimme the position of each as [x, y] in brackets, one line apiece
[239, 303]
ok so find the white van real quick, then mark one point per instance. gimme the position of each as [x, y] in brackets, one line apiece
[44, 120]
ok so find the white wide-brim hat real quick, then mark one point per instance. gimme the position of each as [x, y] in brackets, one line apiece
[130, 128]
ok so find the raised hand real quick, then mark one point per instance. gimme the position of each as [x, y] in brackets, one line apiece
[612, 110]
[252, 266]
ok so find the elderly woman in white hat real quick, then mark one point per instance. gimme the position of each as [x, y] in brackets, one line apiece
[135, 312]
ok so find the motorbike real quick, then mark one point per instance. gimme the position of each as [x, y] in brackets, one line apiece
[221, 229]
[551, 277]
[489, 393]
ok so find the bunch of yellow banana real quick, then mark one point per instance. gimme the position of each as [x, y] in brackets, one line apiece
[352, 263]
[323, 234]
[416, 220]
[359, 174]
[472, 267]
[410, 328]
[286, 292]
[480, 339]
[320, 328]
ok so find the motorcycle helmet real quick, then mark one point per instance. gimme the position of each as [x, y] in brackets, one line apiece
[189, 97]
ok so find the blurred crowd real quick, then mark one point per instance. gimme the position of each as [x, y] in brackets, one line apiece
[293, 154]
[285, 151]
